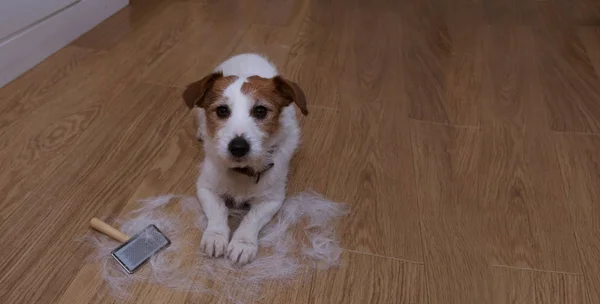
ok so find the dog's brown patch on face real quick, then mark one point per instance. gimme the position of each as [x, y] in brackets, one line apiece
[212, 100]
[264, 92]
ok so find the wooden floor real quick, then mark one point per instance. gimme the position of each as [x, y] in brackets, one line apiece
[464, 134]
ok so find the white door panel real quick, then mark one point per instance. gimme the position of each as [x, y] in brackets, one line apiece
[16, 15]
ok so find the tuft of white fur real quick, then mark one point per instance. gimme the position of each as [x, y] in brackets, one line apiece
[284, 258]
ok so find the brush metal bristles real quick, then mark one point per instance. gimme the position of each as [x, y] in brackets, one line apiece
[140, 248]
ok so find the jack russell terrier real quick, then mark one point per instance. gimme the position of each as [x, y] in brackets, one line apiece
[248, 127]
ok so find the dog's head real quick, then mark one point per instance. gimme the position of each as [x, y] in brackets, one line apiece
[243, 115]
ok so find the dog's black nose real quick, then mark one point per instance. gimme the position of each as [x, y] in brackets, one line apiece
[239, 147]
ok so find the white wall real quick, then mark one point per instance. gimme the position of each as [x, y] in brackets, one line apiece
[29, 41]
[16, 15]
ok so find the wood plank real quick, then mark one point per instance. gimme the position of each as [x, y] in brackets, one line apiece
[317, 56]
[372, 166]
[65, 107]
[115, 29]
[271, 42]
[520, 286]
[28, 92]
[572, 86]
[216, 29]
[509, 13]
[442, 62]
[372, 67]
[453, 228]
[425, 53]
[274, 31]
[515, 286]
[108, 33]
[173, 172]
[462, 232]
[465, 71]
[281, 13]
[519, 179]
[372, 171]
[463, 93]
[48, 123]
[88, 184]
[580, 167]
[361, 279]
[577, 13]
[590, 37]
[100, 77]
[310, 166]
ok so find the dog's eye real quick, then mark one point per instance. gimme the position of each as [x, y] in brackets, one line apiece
[260, 112]
[222, 111]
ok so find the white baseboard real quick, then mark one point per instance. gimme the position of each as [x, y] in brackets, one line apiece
[29, 47]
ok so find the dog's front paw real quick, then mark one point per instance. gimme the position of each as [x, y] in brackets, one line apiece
[242, 250]
[214, 243]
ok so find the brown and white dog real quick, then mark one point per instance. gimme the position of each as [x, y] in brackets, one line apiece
[248, 127]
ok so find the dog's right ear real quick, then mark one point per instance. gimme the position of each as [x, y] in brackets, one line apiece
[195, 92]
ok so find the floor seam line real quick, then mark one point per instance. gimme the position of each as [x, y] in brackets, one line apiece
[384, 257]
[538, 270]
[445, 124]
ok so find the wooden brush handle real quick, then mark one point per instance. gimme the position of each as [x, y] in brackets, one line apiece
[108, 230]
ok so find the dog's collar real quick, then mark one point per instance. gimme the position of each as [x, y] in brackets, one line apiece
[248, 171]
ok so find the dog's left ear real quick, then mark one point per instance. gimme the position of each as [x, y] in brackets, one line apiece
[195, 92]
[292, 92]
